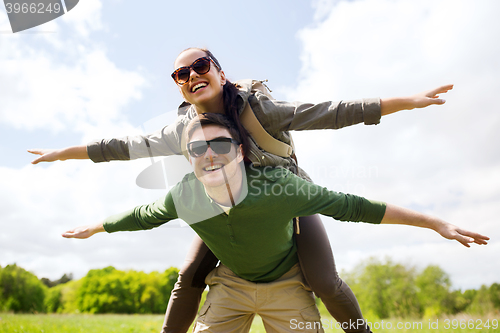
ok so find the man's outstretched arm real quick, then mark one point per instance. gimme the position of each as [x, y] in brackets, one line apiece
[399, 215]
[85, 231]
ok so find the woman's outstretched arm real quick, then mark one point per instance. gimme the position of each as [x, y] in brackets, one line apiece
[51, 155]
[420, 100]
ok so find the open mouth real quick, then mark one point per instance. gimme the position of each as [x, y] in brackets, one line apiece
[213, 167]
[199, 86]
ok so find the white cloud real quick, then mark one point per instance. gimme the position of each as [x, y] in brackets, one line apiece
[41, 93]
[441, 160]
[38, 203]
[85, 17]
[63, 80]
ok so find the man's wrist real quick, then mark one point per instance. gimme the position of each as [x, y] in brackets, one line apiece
[98, 228]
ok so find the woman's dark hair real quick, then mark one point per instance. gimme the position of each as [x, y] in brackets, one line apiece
[229, 97]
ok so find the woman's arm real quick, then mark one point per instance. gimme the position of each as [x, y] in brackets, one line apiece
[420, 100]
[278, 116]
[51, 155]
[400, 215]
[164, 142]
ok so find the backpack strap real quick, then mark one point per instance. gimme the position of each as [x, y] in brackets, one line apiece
[248, 119]
[184, 143]
[265, 140]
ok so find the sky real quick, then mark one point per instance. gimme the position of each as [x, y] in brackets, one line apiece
[103, 69]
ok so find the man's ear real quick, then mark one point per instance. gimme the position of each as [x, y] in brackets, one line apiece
[239, 153]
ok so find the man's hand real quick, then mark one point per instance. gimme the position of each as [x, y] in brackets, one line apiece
[399, 215]
[450, 231]
[85, 231]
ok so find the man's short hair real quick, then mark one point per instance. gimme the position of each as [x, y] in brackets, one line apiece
[215, 119]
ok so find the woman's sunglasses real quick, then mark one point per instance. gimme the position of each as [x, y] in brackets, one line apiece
[218, 145]
[201, 66]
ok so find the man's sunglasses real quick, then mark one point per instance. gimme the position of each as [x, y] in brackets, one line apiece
[201, 66]
[218, 145]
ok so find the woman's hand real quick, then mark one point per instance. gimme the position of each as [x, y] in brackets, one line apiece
[51, 155]
[420, 100]
[46, 155]
[429, 97]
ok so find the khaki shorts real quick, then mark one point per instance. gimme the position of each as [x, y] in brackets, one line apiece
[285, 305]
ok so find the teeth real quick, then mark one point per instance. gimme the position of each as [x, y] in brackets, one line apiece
[213, 167]
[198, 86]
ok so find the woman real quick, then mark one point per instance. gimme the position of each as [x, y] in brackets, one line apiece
[205, 89]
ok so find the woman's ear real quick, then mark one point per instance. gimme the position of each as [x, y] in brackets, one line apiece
[222, 77]
[182, 93]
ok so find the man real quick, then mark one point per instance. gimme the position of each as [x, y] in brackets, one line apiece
[244, 215]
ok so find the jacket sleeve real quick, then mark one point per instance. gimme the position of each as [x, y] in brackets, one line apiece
[161, 143]
[276, 116]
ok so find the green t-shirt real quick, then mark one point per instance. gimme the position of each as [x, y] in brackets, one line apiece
[255, 239]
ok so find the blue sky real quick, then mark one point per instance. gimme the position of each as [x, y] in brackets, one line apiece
[103, 70]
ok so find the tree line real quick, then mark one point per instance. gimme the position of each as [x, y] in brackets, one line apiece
[384, 289]
[106, 290]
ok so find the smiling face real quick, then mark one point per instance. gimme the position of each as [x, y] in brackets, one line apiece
[203, 91]
[209, 167]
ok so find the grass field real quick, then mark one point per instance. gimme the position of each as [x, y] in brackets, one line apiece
[54, 323]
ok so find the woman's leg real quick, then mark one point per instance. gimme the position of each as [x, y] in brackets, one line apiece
[318, 267]
[185, 298]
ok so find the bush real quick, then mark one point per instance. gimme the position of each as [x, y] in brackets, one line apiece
[53, 299]
[482, 304]
[385, 289]
[109, 290]
[433, 286]
[21, 291]
[495, 295]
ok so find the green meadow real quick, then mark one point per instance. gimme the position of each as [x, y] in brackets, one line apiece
[109, 300]
[87, 323]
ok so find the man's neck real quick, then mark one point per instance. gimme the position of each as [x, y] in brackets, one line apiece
[227, 194]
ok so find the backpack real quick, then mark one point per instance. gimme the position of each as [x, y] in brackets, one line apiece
[248, 119]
